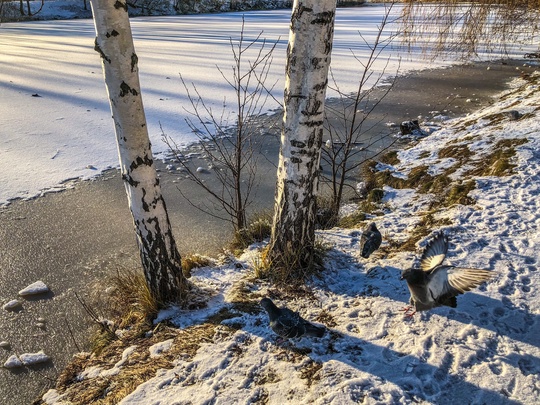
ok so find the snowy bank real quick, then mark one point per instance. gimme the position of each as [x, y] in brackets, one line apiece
[487, 350]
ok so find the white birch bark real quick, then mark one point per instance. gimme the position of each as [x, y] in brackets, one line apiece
[308, 60]
[158, 251]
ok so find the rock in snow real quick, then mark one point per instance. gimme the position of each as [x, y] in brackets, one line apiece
[13, 362]
[12, 305]
[39, 287]
[29, 359]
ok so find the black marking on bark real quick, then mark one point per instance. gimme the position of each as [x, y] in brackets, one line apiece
[119, 5]
[320, 86]
[297, 144]
[313, 108]
[127, 178]
[297, 13]
[98, 49]
[134, 61]
[146, 161]
[113, 33]
[145, 206]
[312, 123]
[125, 90]
[326, 17]
[296, 160]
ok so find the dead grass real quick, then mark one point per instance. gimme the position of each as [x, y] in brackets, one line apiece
[498, 162]
[390, 158]
[258, 230]
[311, 372]
[289, 271]
[459, 194]
[194, 261]
[458, 152]
[421, 230]
[352, 220]
[326, 318]
[139, 368]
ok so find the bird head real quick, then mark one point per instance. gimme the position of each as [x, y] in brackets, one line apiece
[268, 305]
[405, 274]
[413, 275]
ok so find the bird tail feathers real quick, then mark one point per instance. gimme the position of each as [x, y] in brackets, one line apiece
[315, 331]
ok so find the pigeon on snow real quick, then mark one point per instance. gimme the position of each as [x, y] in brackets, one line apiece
[434, 284]
[289, 324]
[370, 240]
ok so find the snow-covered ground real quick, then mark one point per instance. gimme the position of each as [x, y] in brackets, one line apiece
[55, 122]
[485, 351]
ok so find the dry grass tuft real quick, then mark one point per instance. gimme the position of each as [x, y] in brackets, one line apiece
[390, 158]
[258, 230]
[421, 230]
[352, 220]
[140, 367]
[498, 163]
[289, 270]
[311, 372]
[326, 318]
[194, 261]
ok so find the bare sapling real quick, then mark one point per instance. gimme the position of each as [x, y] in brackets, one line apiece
[231, 149]
[351, 130]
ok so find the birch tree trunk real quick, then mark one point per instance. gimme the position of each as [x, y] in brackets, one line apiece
[158, 251]
[308, 60]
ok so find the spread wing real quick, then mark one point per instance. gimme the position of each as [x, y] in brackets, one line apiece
[447, 281]
[434, 253]
[465, 279]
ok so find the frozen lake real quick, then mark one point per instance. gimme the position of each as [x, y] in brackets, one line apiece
[55, 122]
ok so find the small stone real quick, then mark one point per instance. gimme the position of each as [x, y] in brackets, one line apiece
[91, 167]
[12, 305]
[13, 362]
[39, 287]
[41, 320]
[513, 115]
[34, 358]
[4, 345]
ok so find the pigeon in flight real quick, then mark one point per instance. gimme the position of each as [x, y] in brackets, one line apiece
[434, 284]
[370, 240]
[289, 324]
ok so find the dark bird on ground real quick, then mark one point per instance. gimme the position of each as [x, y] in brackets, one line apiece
[370, 240]
[434, 284]
[289, 324]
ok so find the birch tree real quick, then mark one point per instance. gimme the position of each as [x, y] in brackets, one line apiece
[311, 32]
[157, 247]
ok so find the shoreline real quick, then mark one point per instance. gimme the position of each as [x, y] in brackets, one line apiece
[72, 239]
